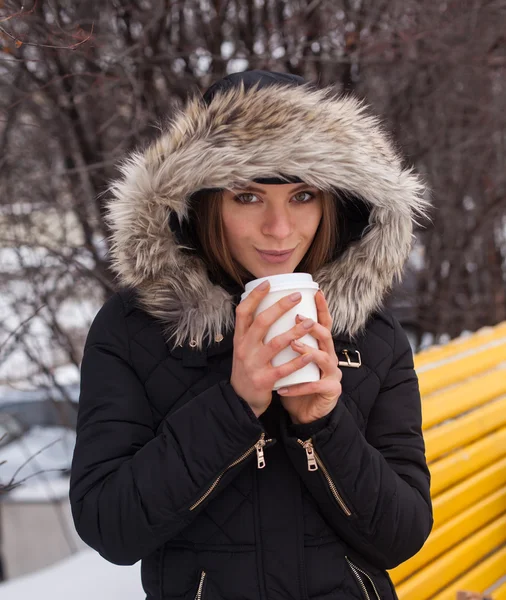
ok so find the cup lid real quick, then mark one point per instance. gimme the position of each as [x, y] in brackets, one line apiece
[282, 281]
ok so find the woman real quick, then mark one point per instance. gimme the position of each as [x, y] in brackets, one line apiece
[185, 458]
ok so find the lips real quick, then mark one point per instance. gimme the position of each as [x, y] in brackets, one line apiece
[276, 252]
[275, 258]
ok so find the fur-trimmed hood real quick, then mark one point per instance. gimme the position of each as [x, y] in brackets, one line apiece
[243, 132]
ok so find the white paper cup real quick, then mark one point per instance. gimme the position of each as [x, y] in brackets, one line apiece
[280, 286]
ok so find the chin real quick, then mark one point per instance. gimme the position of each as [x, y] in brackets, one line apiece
[264, 270]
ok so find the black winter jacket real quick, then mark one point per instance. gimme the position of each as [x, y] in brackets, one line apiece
[171, 467]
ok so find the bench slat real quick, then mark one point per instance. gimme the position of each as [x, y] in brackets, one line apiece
[433, 578]
[455, 372]
[465, 396]
[468, 492]
[464, 430]
[462, 463]
[452, 532]
[500, 593]
[461, 344]
[479, 578]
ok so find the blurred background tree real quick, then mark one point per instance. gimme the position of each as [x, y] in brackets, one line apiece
[82, 82]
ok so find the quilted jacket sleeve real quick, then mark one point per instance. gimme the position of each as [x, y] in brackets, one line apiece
[132, 490]
[382, 478]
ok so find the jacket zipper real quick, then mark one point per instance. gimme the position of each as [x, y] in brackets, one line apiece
[357, 571]
[313, 463]
[258, 447]
[200, 589]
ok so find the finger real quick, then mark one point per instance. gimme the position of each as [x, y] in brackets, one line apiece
[267, 317]
[322, 310]
[283, 340]
[324, 338]
[326, 388]
[290, 367]
[246, 309]
[326, 363]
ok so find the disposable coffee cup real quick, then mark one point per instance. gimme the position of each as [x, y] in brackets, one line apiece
[280, 286]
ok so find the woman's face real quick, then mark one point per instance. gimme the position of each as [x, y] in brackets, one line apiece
[270, 218]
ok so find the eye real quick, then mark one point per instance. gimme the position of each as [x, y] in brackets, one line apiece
[304, 197]
[245, 198]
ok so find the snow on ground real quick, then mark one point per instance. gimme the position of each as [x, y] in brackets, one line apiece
[22, 311]
[56, 445]
[24, 392]
[52, 489]
[84, 576]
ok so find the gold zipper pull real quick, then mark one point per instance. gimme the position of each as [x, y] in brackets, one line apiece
[260, 452]
[312, 465]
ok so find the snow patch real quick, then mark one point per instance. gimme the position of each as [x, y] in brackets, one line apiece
[81, 577]
[53, 489]
[56, 446]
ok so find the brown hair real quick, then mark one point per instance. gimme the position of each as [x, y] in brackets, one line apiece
[211, 238]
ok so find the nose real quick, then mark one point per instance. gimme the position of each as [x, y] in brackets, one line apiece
[277, 222]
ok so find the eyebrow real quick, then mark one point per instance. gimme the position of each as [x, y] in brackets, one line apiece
[252, 188]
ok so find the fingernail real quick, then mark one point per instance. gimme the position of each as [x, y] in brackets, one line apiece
[308, 323]
[298, 343]
[282, 390]
[263, 286]
[295, 296]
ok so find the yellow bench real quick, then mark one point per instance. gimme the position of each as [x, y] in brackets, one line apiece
[463, 385]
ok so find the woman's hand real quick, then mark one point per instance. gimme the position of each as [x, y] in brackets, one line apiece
[307, 402]
[253, 375]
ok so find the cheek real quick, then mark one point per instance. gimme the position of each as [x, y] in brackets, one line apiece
[311, 222]
[236, 229]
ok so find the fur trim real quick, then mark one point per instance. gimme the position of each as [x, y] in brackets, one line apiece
[325, 140]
